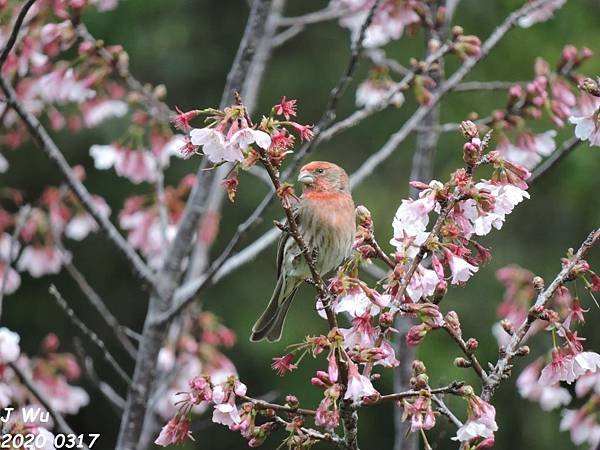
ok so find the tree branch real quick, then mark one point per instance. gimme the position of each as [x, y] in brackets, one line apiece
[93, 337]
[557, 156]
[12, 39]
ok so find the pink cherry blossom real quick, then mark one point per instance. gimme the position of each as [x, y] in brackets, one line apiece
[586, 118]
[63, 397]
[218, 148]
[559, 369]
[549, 397]
[389, 22]
[62, 86]
[99, 111]
[9, 346]
[541, 14]
[359, 386]
[529, 148]
[82, 223]
[13, 279]
[373, 93]
[176, 431]
[461, 269]
[481, 422]
[41, 260]
[420, 413]
[581, 425]
[328, 415]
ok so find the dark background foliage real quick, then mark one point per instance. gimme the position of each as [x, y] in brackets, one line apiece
[189, 46]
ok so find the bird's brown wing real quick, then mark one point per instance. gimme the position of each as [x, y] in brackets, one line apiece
[282, 242]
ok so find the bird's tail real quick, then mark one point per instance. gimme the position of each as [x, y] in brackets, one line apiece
[270, 324]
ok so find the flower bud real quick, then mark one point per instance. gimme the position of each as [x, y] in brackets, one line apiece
[363, 216]
[416, 334]
[538, 283]
[386, 319]
[471, 154]
[508, 326]
[292, 401]
[523, 351]
[418, 367]
[453, 322]
[457, 31]
[462, 362]
[469, 129]
[421, 381]
[590, 86]
[472, 344]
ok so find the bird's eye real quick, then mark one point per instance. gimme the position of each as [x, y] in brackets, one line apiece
[320, 170]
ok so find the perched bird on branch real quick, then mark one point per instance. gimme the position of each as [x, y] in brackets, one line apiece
[326, 220]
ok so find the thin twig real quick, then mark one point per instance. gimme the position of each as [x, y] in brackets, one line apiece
[100, 306]
[557, 156]
[12, 39]
[323, 15]
[453, 388]
[261, 404]
[469, 86]
[116, 401]
[93, 337]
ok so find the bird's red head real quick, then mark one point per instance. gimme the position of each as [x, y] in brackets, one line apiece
[323, 176]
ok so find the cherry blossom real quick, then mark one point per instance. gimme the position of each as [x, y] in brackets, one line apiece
[176, 431]
[481, 422]
[218, 147]
[376, 91]
[549, 397]
[359, 386]
[82, 223]
[62, 86]
[9, 346]
[41, 260]
[98, 112]
[389, 22]
[529, 148]
[541, 14]
[586, 118]
[582, 426]
[461, 269]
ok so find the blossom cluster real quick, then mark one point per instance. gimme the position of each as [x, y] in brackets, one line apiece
[544, 379]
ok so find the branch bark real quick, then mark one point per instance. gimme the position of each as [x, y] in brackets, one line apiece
[153, 333]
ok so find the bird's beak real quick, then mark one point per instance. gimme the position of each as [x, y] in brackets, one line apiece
[306, 178]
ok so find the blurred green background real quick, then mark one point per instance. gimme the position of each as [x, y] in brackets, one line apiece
[189, 46]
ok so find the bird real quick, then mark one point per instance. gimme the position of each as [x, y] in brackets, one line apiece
[325, 217]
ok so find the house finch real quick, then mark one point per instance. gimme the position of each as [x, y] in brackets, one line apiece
[325, 218]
